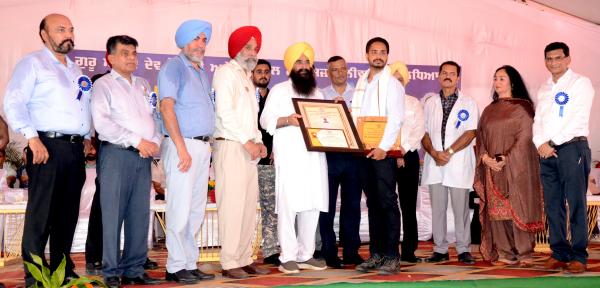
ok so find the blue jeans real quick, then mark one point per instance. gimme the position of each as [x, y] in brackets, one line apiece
[566, 178]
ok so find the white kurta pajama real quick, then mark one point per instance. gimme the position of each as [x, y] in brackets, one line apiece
[301, 177]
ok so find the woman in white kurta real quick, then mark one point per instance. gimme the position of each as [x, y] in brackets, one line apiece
[301, 177]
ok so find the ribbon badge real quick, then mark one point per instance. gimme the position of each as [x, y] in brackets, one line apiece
[85, 84]
[213, 95]
[463, 115]
[561, 98]
[153, 99]
[257, 95]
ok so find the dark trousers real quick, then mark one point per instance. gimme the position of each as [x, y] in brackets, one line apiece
[93, 242]
[565, 178]
[379, 178]
[407, 178]
[125, 199]
[342, 171]
[53, 203]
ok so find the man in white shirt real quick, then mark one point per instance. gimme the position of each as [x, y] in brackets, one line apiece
[407, 173]
[560, 130]
[342, 171]
[377, 93]
[238, 148]
[450, 124]
[301, 182]
[123, 114]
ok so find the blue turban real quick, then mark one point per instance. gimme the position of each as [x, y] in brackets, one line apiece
[190, 29]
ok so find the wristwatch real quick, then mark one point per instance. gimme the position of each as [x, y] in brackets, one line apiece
[451, 151]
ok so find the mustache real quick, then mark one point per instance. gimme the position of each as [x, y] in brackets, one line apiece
[67, 40]
[448, 79]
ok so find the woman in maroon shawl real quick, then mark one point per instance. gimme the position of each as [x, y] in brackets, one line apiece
[507, 176]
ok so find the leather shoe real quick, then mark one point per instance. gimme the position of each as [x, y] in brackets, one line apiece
[353, 260]
[201, 275]
[410, 259]
[150, 264]
[437, 257]
[334, 262]
[254, 269]
[143, 279]
[182, 276]
[93, 268]
[69, 276]
[552, 264]
[576, 267]
[466, 258]
[273, 259]
[235, 273]
[112, 282]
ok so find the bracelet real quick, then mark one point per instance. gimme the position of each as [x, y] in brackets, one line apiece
[287, 121]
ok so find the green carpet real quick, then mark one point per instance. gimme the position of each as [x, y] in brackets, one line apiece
[539, 282]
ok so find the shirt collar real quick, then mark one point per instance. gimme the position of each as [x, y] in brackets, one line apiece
[187, 62]
[567, 75]
[349, 88]
[455, 94]
[55, 60]
[116, 76]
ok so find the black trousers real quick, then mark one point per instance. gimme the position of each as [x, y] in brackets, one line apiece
[407, 178]
[379, 178]
[93, 242]
[342, 171]
[53, 203]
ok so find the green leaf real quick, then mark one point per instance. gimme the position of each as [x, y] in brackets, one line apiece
[37, 259]
[34, 270]
[59, 274]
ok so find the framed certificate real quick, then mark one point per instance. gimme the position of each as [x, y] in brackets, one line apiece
[370, 131]
[327, 126]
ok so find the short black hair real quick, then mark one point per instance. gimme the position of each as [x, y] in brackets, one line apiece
[42, 27]
[377, 39]
[335, 58]
[556, 46]
[263, 62]
[111, 43]
[450, 63]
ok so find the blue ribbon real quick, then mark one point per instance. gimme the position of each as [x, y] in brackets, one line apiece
[463, 115]
[257, 95]
[213, 95]
[561, 98]
[153, 99]
[85, 84]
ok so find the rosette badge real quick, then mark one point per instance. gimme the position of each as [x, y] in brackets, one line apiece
[463, 115]
[85, 85]
[561, 98]
[153, 99]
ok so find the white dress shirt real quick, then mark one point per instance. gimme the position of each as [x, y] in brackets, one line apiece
[122, 111]
[42, 95]
[330, 93]
[236, 104]
[459, 172]
[413, 127]
[548, 123]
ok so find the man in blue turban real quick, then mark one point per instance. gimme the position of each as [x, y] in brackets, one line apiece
[188, 122]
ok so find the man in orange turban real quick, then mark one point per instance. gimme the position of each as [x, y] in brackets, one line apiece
[237, 150]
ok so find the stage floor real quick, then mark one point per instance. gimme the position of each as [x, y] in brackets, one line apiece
[12, 275]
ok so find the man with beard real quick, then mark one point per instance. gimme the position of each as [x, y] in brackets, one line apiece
[342, 171]
[238, 147]
[301, 183]
[47, 101]
[261, 76]
[450, 124]
[379, 94]
[188, 122]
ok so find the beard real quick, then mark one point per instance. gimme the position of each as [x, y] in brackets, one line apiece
[261, 82]
[377, 63]
[247, 63]
[303, 81]
[64, 47]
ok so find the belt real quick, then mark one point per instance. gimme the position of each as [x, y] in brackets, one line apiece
[201, 138]
[73, 138]
[222, 139]
[129, 148]
[575, 139]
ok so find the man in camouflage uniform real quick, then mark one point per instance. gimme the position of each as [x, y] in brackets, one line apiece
[261, 76]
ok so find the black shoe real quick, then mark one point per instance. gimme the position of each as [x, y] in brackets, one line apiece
[318, 254]
[437, 257]
[182, 276]
[372, 263]
[353, 260]
[273, 259]
[150, 264]
[334, 262]
[410, 259]
[143, 279]
[466, 258]
[69, 276]
[93, 268]
[390, 266]
[201, 275]
[112, 282]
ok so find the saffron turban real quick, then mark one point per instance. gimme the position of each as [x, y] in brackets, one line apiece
[240, 37]
[190, 29]
[401, 68]
[293, 53]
